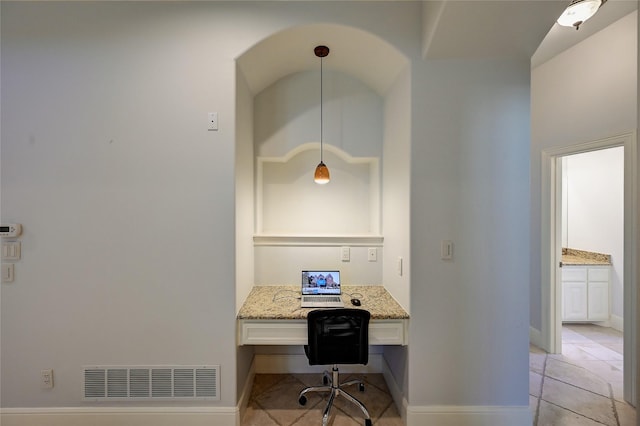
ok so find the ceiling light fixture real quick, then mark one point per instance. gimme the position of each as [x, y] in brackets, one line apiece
[578, 12]
[321, 175]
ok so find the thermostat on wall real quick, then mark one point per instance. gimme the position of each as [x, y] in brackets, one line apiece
[10, 230]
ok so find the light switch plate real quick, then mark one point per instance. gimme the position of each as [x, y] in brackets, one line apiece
[11, 250]
[7, 272]
[345, 254]
[446, 250]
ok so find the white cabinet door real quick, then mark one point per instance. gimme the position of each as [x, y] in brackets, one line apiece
[598, 301]
[574, 301]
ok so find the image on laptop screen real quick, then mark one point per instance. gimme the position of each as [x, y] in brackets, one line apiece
[320, 282]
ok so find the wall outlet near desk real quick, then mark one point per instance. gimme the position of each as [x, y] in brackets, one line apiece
[46, 379]
[372, 254]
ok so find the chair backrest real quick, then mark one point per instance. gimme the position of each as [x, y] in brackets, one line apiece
[338, 336]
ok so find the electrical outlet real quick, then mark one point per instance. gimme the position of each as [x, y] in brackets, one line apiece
[7, 272]
[213, 121]
[372, 254]
[46, 379]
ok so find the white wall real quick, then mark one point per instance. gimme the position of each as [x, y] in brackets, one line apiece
[120, 156]
[121, 92]
[585, 94]
[123, 194]
[469, 184]
[595, 211]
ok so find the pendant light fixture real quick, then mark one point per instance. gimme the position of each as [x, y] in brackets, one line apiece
[321, 175]
[578, 12]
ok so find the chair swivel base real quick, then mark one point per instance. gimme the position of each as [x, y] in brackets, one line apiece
[332, 384]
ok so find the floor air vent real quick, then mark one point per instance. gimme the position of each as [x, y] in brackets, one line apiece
[114, 383]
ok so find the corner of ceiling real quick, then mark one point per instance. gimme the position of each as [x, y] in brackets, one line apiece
[431, 13]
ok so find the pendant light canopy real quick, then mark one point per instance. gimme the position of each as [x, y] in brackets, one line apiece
[578, 12]
[321, 175]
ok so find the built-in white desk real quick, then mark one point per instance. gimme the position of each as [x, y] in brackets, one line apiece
[272, 315]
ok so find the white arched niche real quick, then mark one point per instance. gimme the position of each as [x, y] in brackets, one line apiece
[281, 74]
[291, 205]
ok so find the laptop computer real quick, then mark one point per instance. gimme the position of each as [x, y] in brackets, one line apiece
[321, 289]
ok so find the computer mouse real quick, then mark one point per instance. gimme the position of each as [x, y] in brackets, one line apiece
[355, 302]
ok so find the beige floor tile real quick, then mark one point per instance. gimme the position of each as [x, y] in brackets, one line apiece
[535, 384]
[281, 401]
[552, 415]
[588, 404]
[336, 418]
[375, 400]
[537, 361]
[533, 406]
[577, 376]
[390, 417]
[255, 416]
[572, 351]
[626, 414]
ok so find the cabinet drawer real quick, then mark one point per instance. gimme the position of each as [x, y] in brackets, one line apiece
[574, 274]
[598, 274]
[294, 332]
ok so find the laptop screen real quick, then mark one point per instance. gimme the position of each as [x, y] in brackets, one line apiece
[320, 282]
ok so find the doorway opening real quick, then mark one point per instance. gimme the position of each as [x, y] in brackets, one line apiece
[592, 265]
[614, 308]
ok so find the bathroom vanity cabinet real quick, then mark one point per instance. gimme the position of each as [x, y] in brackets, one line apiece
[585, 293]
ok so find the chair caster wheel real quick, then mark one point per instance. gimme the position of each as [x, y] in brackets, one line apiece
[361, 387]
[367, 422]
[302, 400]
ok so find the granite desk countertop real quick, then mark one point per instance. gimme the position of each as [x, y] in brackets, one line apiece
[580, 257]
[283, 302]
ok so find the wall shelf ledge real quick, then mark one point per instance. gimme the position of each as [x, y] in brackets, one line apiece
[318, 240]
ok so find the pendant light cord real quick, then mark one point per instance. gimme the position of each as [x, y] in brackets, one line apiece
[321, 107]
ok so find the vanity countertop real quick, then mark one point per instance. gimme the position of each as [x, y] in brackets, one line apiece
[572, 257]
[283, 302]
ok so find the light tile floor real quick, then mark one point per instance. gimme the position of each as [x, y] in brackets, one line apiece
[583, 385]
[274, 402]
[580, 387]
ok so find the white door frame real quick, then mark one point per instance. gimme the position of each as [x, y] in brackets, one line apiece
[551, 227]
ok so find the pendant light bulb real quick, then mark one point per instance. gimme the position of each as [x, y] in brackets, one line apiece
[321, 175]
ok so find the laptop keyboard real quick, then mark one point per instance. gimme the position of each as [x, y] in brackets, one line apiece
[322, 299]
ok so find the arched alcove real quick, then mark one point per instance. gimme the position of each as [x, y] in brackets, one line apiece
[367, 137]
[367, 145]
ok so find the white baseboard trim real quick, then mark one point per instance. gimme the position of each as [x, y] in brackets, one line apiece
[469, 416]
[617, 323]
[117, 416]
[287, 364]
[535, 337]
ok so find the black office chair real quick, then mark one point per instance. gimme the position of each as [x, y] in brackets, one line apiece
[337, 336]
